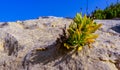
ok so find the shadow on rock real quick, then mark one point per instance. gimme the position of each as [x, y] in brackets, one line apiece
[11, 45]
[53, 52]
[117, 64]
[116, 28]
[3, 24]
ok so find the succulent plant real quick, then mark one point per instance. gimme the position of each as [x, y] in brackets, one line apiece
[81, 32]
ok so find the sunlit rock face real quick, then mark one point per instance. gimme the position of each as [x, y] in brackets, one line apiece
[33, 45]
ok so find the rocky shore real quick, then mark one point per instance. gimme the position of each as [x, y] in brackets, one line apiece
[32, 45]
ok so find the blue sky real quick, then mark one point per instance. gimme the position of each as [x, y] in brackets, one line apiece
[13, 10]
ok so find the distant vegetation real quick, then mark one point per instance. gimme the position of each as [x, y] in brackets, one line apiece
[112, 11]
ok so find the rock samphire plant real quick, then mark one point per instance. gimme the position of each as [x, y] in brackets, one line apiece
[81, 32]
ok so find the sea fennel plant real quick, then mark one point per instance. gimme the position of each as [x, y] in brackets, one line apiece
[81, 32]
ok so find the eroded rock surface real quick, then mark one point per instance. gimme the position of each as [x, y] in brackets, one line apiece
[33, 45]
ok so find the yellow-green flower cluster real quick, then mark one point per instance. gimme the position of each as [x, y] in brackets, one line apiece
[81, 32]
